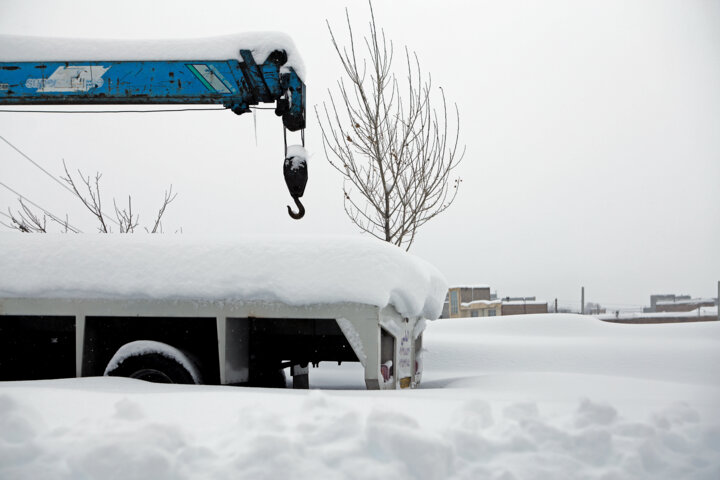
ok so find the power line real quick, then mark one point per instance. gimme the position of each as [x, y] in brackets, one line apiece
[53, 177]
[61, 222]
[37, 165]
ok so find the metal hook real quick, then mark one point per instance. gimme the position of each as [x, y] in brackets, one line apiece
[301, 209]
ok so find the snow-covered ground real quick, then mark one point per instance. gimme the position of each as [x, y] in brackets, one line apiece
[698, 312]
[540, 396]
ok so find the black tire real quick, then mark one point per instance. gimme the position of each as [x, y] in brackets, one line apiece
[153, 367]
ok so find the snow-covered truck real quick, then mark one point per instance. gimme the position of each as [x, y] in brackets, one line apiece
[199, 310]
[229, 311]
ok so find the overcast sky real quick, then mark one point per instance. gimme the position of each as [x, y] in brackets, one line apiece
[592, 133]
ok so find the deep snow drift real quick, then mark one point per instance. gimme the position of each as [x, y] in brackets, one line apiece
[296, 271]
[525, 397]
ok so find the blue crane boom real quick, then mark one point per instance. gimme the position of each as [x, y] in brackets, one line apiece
[235, 84]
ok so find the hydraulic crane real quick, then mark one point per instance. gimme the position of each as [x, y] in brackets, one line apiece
[236, 84]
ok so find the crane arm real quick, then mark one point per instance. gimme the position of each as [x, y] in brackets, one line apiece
[235, 84]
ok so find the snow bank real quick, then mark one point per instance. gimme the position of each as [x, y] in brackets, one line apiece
[498, 404]
[17, 48]
[465, 348]
[291, 270]
[690, 301]
[698, 312]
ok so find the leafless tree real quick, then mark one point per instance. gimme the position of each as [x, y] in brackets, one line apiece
[395, 150]
[88, 192]
[169, 197]
[93, 201]
[28, 221]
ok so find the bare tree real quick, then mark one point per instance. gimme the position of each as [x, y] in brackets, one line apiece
[389, 142]
[169, 197]
[26, 220]
[93, 201]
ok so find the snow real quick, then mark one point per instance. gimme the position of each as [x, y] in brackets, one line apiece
[691, 301]
[481, 302]
[524, 302]
[143, 347]
[698, 312]
[291, 270]
[353, 338]
[478, 285]
[551, 396]
[18, 48]
[297, 155]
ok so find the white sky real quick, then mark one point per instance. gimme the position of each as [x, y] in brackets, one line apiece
[592, 132]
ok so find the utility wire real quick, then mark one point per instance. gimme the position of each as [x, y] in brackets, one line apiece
[61, 222]
[53, 177]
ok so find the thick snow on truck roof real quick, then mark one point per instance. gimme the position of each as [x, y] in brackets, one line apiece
[216, 310]
[291, 270]
[18, 48]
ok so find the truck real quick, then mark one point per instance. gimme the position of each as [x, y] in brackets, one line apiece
[210, 310]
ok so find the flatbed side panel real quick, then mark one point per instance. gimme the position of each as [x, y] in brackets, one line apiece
[181, 308]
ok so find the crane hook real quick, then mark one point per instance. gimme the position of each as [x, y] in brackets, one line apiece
[301, 209]
[296, 175]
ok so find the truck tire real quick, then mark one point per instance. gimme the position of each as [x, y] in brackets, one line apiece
[153, 362]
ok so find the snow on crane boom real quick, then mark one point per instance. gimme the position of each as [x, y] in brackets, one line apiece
[237, 84]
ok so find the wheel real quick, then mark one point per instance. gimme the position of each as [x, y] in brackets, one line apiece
[153, 362]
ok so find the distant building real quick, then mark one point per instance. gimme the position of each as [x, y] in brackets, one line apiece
[481, 308]
[463, 301]
[471, 301]
[666, 297]
[594, 309]
[677, 303]
[703, 314]
[684, 305]
[523, 305]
